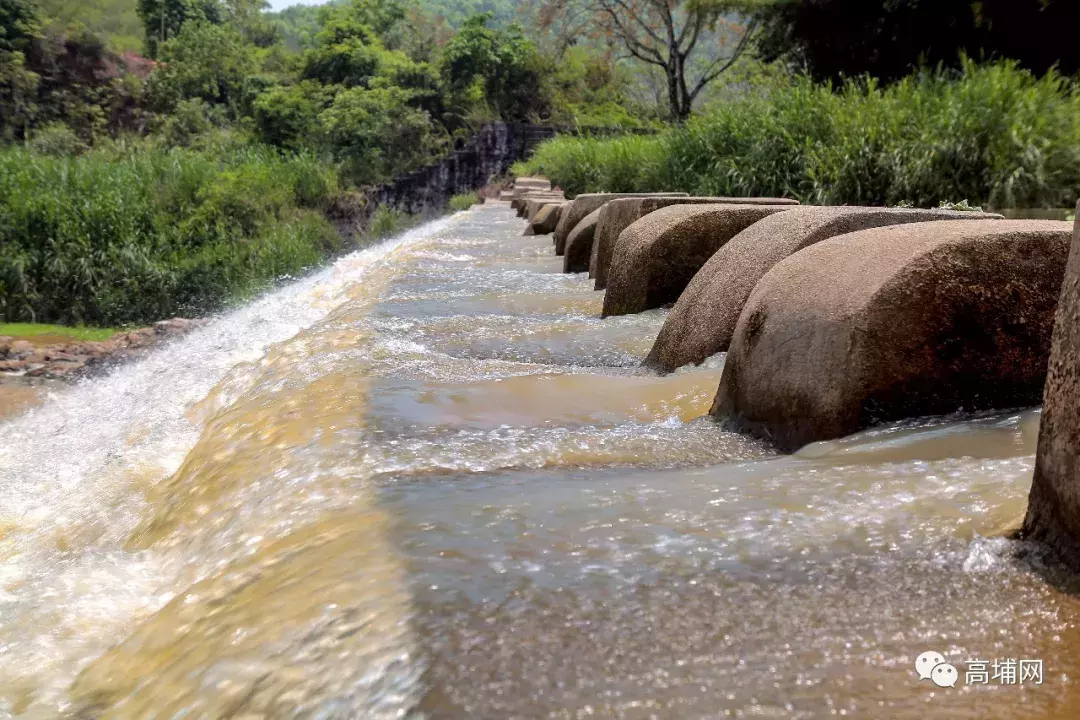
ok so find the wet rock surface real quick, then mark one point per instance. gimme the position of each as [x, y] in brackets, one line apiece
[584, 205]
[1053, 515]
[656, 257]
[621, 214]
[703, 320]
[580, 243]
[897, 322]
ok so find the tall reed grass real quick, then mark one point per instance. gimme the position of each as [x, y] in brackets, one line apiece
[119, 236]
[992, 134]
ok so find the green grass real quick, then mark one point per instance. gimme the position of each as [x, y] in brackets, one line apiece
[463, 201]
[26, 330]
[128, 235]
[992, 133]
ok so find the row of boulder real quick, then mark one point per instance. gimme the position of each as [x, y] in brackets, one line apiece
[835, 319]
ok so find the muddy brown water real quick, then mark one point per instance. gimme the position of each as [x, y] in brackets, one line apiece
[427, 482]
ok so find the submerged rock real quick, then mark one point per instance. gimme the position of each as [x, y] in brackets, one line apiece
[895, 322]
[621, 214]
[580, 242]
[585, 205]
[703, 320]
[657, 256]
[1053, 515]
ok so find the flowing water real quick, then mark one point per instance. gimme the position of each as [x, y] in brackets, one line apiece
[427, 482]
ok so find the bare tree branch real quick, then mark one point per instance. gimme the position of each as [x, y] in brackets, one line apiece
[711, 74]
[665, 34]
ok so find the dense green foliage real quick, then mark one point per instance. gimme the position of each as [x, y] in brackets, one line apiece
[992, 134]
[116, 22]
[499, 68]
[18, 23]
[128, 235]
[299, 24]
[463, 201]
[845, 38]
[133, 189]
[136, 189]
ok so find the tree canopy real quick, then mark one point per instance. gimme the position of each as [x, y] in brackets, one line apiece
[887, 39]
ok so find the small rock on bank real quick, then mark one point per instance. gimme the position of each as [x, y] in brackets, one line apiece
[66, 359]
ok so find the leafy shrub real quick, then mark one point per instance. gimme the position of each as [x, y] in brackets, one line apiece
[287, 116]
[463, 201]
[206, 62]
[386, 222]
[377, 133]
[189, 120]
[991, 133]
[130, 235]
[56, 139]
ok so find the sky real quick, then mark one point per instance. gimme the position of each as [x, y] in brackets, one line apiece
[282, 4]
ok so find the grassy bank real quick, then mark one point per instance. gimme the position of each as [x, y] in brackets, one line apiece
[34, 330]
[992, 134]
[122, 236]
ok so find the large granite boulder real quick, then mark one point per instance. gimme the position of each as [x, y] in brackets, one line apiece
[621, 214]
[703, 320]
[586, 204]
[657, 256]
[1053, 515]
[546, 219]
[895, 322]
[579, 244]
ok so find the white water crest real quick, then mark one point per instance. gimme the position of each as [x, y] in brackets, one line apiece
[72, 472]
[430, 481]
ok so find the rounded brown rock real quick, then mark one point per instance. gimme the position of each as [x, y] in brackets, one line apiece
[657, 256]
[703, 320]
[1053, 514]
[579, 244]
[584, 205]
[531, 204]
[546, 218]
[895, 322]
[621, 214]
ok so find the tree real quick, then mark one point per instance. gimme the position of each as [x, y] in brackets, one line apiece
[18, 24]
[692, 41]
[497, 67]
[205, 62]
[888, 39]
[249, 18]
[346, 51]
[163, 19]
[377, 133]
[287, 116]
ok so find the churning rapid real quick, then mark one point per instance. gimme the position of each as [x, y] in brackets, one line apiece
[429, 482]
